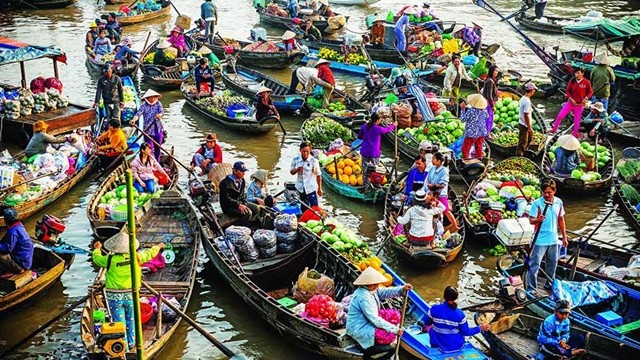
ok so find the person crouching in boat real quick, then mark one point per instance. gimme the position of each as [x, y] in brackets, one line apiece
[289, 41]
[176, 39]
[596, 121]
[146, 169]
[16, 247]
[416, 178]
[264, 105]
[124, 52]
[204, 74]
[40, 139]
[567, 157]
[325, 79]
[448, 324]
[377, 31]
[475, 118]
[257, 192]
[555, 338]
[113, 141]
[363, 316]
[207, 156]
[420, 218]
[118, 281]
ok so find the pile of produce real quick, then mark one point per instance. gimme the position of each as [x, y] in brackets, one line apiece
[115, 201]
[320, 131]
[346, 170]
[629, 170]
[130, 108]
[267, 46]
[241, 239]
[631, 194]
[589, 152]
[286, 230]
[343, 240]
[505, 126]
[12, 109]
[352, 58]
[218, 104]
[148, 59]
[445, 130]
[509, 138]
[335, 108]
[322, 307]
[27, 102]
[383, 337]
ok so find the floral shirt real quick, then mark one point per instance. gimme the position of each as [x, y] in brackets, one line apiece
[476, 122]
[148, 113]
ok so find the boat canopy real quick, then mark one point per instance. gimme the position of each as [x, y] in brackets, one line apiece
[12, 51]
[608, 29]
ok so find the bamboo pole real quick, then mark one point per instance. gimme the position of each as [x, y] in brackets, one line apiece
[135, 270]
[159, 318]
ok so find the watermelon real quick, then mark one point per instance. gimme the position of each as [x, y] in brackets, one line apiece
[577, 174]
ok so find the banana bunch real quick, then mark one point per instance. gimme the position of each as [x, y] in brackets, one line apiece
[356, 59]
[328, 54]
[148, 59]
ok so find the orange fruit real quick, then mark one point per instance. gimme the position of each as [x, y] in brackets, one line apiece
[384, 180]
[353, 181]
[344, 179]
[360, 181]
[331, 169]
[348, 162]
[341, 164]
[340, 171]
[389, 281]
[357, 169]
[348, 170]
[362, 266]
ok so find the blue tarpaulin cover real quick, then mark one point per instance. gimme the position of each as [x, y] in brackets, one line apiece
[583, 293]
[12, 51]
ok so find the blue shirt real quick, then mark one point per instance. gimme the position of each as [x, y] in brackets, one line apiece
[17, 243]
[402, 23]
[102, 46]
[448, 327]
[552, 331]
[254, 192]
[549, 227]
[208, 10]
[566, 161]
[415, 180]
[363, 318]
[438, 176]
[199, 73]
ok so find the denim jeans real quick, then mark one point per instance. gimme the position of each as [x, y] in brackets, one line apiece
[150, 186]
[539, 251]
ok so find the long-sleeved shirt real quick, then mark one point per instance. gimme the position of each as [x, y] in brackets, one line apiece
[578, 91]
[363, 318]
[402, 23]
[454, 73]
[214, 154]
[421, 219]
[17, 243]
[119, 269]
[602, 76]
[305, 73]
[151, 125]
[415, 180]
[199, 72]
[264, 107]
[102, 46]
[438, 175]
[370, 137]
[566, 161]
[254, 192]
[377, 33]
[490, 91]
[325, 74]
[232, 193]
[552, 331]
[145, 170]
[116, 140]
[124, 51]
[177, 41]
[39, 142]
[208, 10]
[114, 26]
[109, 90]
[448, 327]
[475, 122]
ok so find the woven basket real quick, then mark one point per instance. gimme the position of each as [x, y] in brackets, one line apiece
[218, 173]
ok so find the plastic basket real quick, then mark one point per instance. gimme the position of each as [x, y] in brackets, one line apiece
[237, 110]
[119, 213]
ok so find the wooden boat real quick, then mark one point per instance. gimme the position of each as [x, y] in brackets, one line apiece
[254, 59]
[360, 70]
[578, 185]
[554, 24]
[135, 19]
[115, 2]
[514, 337]
[30, 207]
[23, 289]
[246, 82]
[248, 126]
[105, 228]
[484, 229]
[630, 136]
[97, 66]
[376, 52]
[629, 210]
[534, 148]
[354, 2]
[355, 116]
[282, 22]
[158, 76]
[419, 256]
[174, 221]
[584, 316]
[36, 4]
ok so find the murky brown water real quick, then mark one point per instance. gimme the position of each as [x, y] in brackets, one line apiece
[214, 304]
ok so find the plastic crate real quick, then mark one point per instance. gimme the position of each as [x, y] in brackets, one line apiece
[609, 318]
[287, 302]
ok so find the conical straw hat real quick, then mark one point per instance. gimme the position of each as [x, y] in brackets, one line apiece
[569, 142]
[370, 276]
[119, 244]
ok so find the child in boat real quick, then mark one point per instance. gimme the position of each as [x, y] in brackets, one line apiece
[555, 336]
[420, 217]
[257, 190]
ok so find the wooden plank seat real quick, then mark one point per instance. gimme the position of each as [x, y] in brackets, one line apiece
[9, 283]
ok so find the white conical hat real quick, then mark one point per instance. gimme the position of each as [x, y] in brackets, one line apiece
[119, 243]
[370, 276]
[204, 50]
[288, 35]
[263, 89]
[150, 93]
[568, 142]
[163, 44]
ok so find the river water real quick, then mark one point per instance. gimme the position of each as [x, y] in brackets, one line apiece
[214, 304]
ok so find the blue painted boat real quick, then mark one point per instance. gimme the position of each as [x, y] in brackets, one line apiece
[417, 342]
[626, 304]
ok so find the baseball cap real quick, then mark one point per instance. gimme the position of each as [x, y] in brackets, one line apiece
[239, 166]
[530, 86]
[563, 307]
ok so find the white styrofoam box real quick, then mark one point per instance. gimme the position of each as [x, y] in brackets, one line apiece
[258, 33]
[511, 233]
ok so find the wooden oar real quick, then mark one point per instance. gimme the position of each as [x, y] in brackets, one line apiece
[143, 48]
[400, 325]
[175, 8]
[28, 181]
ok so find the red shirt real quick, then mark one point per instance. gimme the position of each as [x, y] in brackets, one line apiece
[578, 91]
[325, 74]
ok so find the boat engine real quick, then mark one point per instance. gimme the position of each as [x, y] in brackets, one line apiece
[112, 339]
[49, 228]
[510, 291]
[198, 191]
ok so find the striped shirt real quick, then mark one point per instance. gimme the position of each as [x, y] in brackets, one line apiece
[448, 328]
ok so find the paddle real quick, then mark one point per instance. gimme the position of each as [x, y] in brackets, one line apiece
[144, 47]
[404, 310]
[535, 239]
[522, 10]
[175, 8]
[225, 350]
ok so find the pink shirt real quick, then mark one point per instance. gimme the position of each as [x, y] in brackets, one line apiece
[145, 171]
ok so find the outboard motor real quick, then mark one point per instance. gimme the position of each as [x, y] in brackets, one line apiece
[49, 228]
[510, 291]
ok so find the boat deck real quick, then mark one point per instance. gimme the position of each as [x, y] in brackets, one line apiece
[60, 120]
[525, 345]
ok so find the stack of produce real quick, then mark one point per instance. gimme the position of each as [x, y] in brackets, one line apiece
[219, 103]
[346, 170]
[312, 283]
[240, 237]
[320, 131]
[322, 307]
[227, 248]
[445, 130]
[115, 201]
[268, 46]
[286, 230]
[26, 102]
[383, 337]
[328, 54]
[629, 170]
[266, 241]
[41, 100]
[335, 108]
[12, 109]
[130, 107]
[505, 126]
[630, 194]
[403, 111]
[589, 152]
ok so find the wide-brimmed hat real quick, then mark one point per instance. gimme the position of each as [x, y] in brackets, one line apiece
[263, 89]
[212, 137]
[477, 101]
[421, 195]
[40, 126]
[598, 106]
[288, 35]
[321, 61]
[176, 29]
[370, 276]
[163, 44]
[93, 24]
[603, 59]
[204, 50]
[119, 244]
[150, 93]
[569, 142]
[379, 19]
[260, 175]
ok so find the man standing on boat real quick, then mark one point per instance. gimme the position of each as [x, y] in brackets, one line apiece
[602, 77]
[453, 79]
[16, 248]
[539, 8]
[209, 14]
[525, 123]
[401, 27]
[111, 92]
[309, 180]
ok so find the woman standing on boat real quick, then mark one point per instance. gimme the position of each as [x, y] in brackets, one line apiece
[475, 118]
[490, 93]
[151, 111]
[370, 134]
[401, 27]
[578, 92]
[363, 318]
[438, 183]
[145, 171]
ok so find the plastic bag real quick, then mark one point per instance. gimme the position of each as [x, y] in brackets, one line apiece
[289, 237]
[37, 85]
[265, 238]
[285, 248]
[226, 247]
[53, 83]
[286, 223]
[269, 252]
[311, 282]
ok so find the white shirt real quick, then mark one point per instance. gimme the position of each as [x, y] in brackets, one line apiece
[421, 219]
[305, 73]
[450, 76]
[525, 108]
[307, 181]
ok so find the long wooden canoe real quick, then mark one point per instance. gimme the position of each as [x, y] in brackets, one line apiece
[247, 126]
[97, 66]
[283, 22]
[376, 52]
[418, 256]
[158, 76]
[628, 209]
[135, 19]
[553, 24]
[173, 221]
[105, 228]
[22, 289]
[36, 4]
